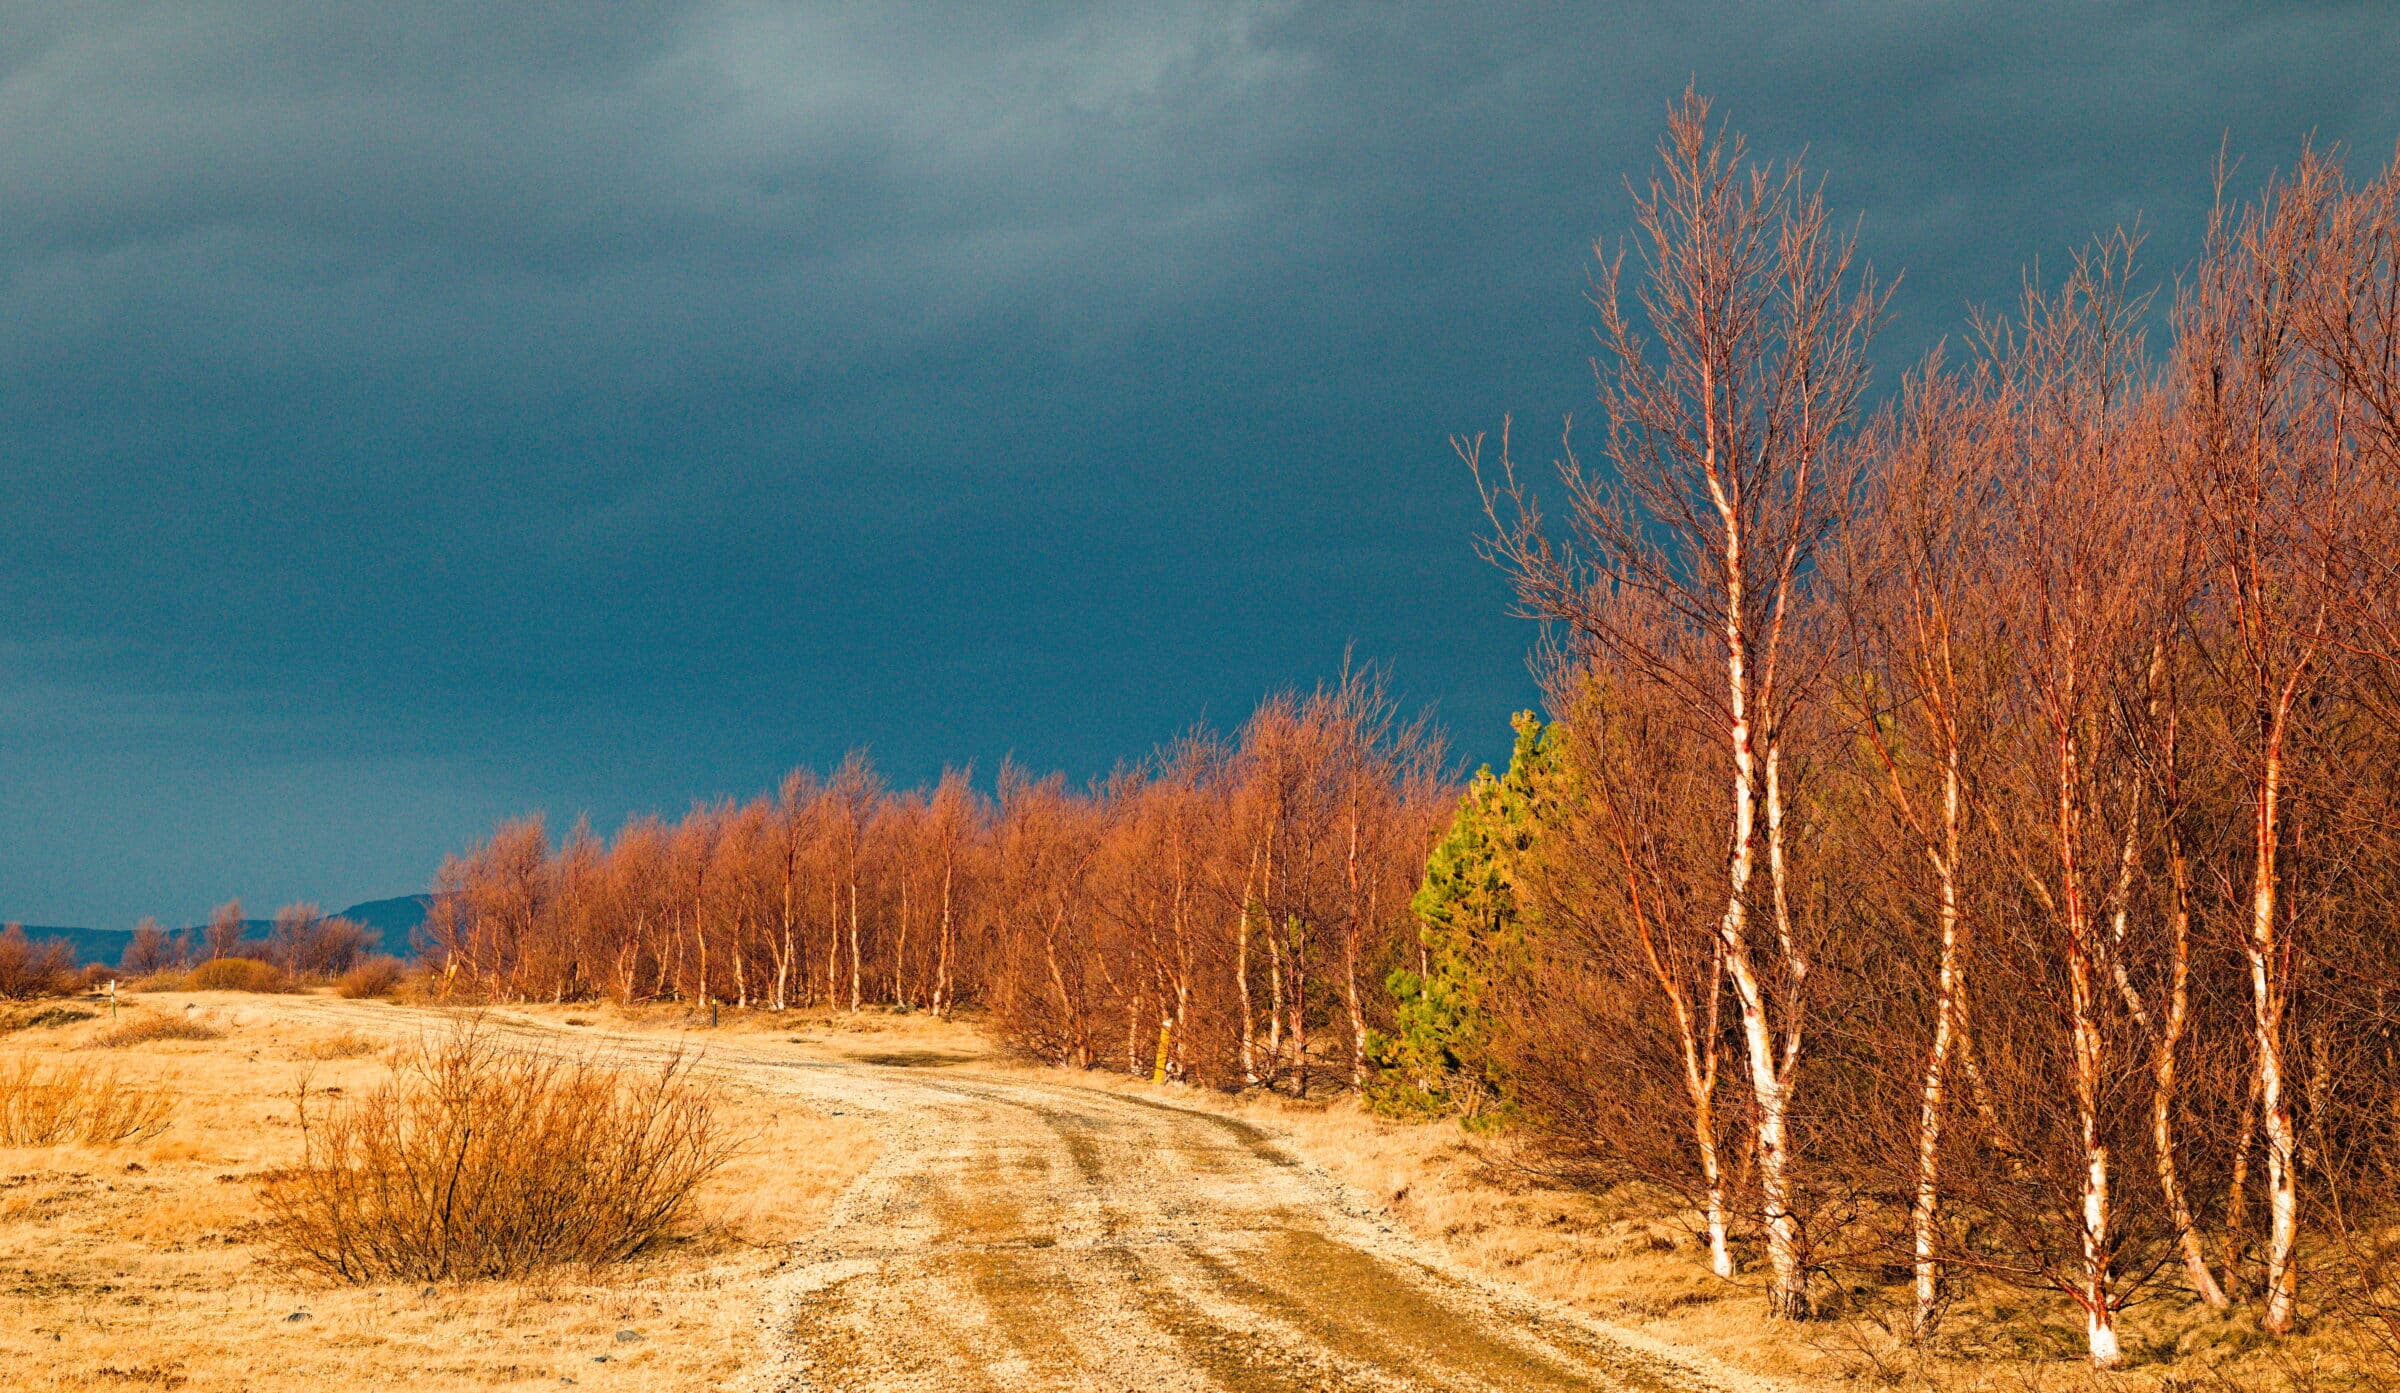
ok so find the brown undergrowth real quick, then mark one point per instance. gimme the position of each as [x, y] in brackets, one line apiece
[150, 1264]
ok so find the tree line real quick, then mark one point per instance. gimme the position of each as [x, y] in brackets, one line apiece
[302, 940]
[1195, 916]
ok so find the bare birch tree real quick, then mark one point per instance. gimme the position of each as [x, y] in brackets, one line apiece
[1728, 382]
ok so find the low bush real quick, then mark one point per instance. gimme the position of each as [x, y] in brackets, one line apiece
[478, 1160]
[374, 977]
[45, 1105]
[239, 975]
[151, 1026]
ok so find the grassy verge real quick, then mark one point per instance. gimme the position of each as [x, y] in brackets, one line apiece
[146, 1264]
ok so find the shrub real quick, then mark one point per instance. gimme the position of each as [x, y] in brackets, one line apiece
[29, 969]
[239, 975]
[475, 1160]
[151, 1026]
[44, 1106]
[374, 977]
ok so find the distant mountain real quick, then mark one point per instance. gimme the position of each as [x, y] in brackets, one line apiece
[395, 918]
[90, 945]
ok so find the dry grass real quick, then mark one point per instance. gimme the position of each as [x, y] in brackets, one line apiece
[48, 1102]
[342, 1044]
[43, 1018]
[145, 1266]
[151, 1027]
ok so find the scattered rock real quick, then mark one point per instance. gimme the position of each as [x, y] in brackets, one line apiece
[295, 1316]
[627, 1337]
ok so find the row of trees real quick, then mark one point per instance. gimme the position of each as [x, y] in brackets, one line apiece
[1201, 916]
[1965, 835]
[302, 940]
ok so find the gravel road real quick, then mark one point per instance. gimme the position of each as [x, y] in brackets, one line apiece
[1020, 1233]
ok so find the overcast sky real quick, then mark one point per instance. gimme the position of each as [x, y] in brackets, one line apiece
[415, 414]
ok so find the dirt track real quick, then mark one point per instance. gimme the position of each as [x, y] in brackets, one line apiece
[1020, 1234]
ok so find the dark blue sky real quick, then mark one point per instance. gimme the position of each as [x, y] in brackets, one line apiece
[414, 414]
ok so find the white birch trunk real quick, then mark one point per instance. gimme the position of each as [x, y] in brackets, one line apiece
[2163, 1094]
[1925, 1213]
[2096, 1294]
[1241, 978]
[2267, 1013]
[1789, 1296]
[855, 983]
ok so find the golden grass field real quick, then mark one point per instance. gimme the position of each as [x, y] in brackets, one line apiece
[139, 1266]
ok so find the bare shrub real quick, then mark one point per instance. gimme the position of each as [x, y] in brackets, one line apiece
[42, 1105]
[379, 976]
[149, 1028]
[29, 969]
[151, 950]
[239, 975]
[307, 943]
[223, 936]
[478, 1160]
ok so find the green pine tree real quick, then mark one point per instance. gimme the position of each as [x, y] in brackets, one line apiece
[1436, 1058]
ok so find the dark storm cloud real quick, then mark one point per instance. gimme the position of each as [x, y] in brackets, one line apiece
[413, 413]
